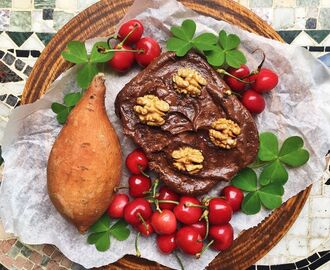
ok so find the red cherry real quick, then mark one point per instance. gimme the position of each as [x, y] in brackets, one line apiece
[234, 196]
[122, 60]
[188, 214]
[253, 101]
[166, 194]
[127, 27]
[151, 50]
[117, 205]
[241, 72]
[145, 229]
[166, 243]
[265, 81]
[136, 161]
[136, 209]
[200, 226]
[189, 240]
[220, 211]
[164, 222]
[223, 236]
[139, 185]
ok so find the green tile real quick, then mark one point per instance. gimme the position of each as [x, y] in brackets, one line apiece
[20, 20]
[45, 260]
[19, 37]
[45, 3]
[318, 35]
[308, 3]
[324, 18]
[25, 251]
[18, 244]
[61, 18]
[45, 37]
[13, 252]
[260, 3]
[5, 3]
[289, 36]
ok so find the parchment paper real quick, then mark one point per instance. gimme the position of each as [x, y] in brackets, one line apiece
[298, 106]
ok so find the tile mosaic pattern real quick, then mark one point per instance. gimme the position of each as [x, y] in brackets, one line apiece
[26, 26]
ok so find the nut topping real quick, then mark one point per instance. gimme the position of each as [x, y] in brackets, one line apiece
[188, 81]
[224, 133]
[151, 110]
[188, 159]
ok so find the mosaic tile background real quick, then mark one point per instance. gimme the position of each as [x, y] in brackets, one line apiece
[26, 26]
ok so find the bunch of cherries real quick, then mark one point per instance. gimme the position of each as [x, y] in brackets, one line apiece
[132, 47]
[182, 222]
[251, 85]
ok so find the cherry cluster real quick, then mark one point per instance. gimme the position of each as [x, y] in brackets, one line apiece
[133, 47]
[180, 221]
[251, 85]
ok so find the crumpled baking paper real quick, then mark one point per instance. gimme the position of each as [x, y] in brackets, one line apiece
[298, 106]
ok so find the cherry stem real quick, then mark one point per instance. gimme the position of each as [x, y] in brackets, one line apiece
[130, 33]
[142, 172]
[222, 71]
[104, 51]
[114, 36]
[116, 189]
[143, 221]
[205, 216]
[137, 251]
[154, 188]
[168, 201]
[179, 260]
[198, 255]
[189, 204]
[263, 59]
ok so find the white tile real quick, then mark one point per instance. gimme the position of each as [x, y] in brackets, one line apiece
[320, 207]
[312, 12]
[300, 227]
[22, 4]
[315, 244]
[6, 42]
[326, 41]
[317, 188]
[325, 3]
[82, 4]
[304, 39]
[283, 18]
[4, 20]
[68, 5]
[40, 25]
[5, 110]
[32, 43]
[4, 235]
[265, 13]
[244, 3]
[320, 228]
[297, 246]
[284, 3]
[300, 12]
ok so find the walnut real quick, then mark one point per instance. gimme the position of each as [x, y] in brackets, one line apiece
[188, 159]
[188, 81]
[224, 133]
[151, 110]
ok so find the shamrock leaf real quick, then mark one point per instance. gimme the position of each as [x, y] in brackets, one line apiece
[251, 203]
[75, 52]
[100, 240]
[235, 58]
[186, 31]
[215, 57]
[268, 149]
[86, 74]
[179, 46]
[102, 225]
[63, 115]
[96, 56]
[291, 152]
[245, 180]
[72, 99]
[57, 107]
[205, 41]
[273, 173]
[271, 196]
[228, 42]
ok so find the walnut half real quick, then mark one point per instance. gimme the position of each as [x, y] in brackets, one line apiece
[188, 81]
[188, 159]
[151, 110]
[224, 133]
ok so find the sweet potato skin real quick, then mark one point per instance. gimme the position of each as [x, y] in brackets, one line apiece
[85, 162]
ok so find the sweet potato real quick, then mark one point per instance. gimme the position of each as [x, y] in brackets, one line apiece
[85, 162]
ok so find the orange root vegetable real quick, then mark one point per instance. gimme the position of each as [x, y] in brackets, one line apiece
[85, 162]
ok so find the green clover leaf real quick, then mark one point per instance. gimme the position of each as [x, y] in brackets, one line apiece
[235, 58]
[75, 52]
[251, 203]
[291, 152]
[96, 56]
[268, 149]
[72, 99]
[245, 180]
[186, 31]
[215, 57]
[86, 74]
[273, 173]
[102, 225]
[57, 107]
[205, 41]
[271, 196]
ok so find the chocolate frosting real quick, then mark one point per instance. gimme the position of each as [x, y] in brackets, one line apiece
[187, 124]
